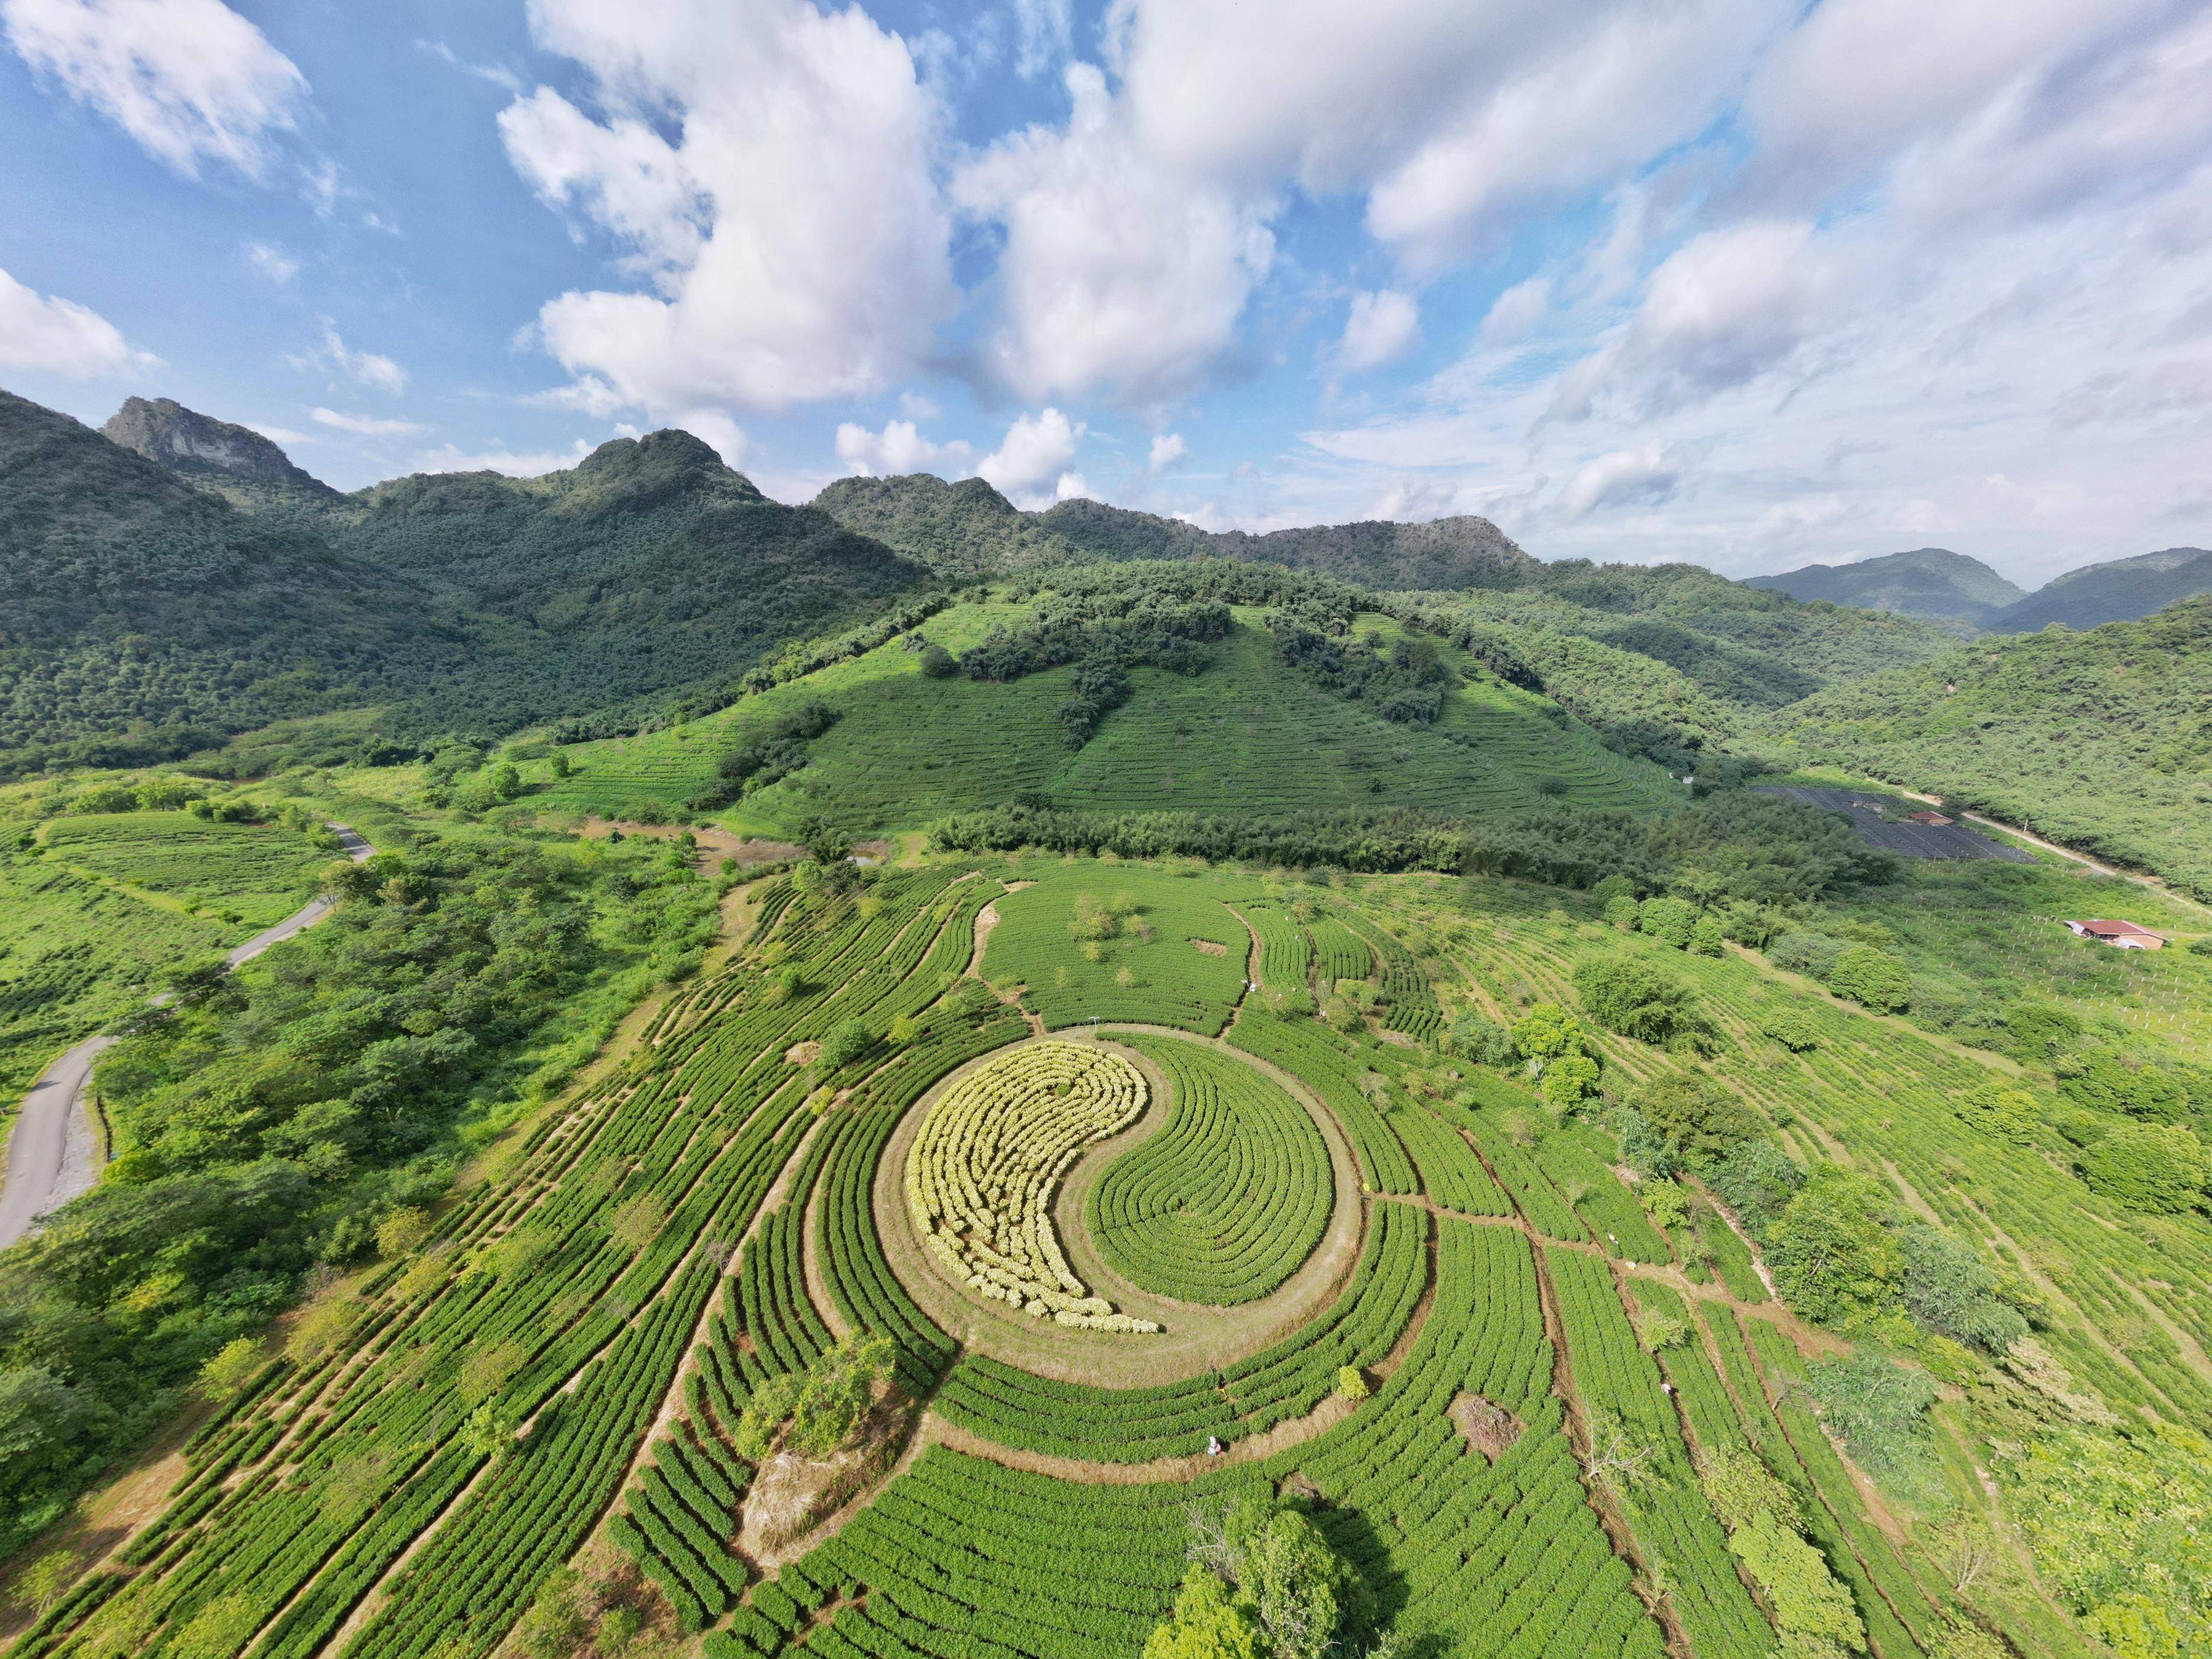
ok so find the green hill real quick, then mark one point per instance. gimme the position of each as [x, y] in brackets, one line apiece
[2119, 591]
[1244, 734]
[648, 568]
[2101, 740]
[141, 617]
[1931, 581]
[969, 529]
[144, 616]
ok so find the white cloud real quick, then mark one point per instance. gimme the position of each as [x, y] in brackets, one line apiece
[791, 233]
[272, 262]
[1117, 275]
[190, 80]
[1036, 451]
[1167, 448]
[898, 448]
[528, 465]
[1647, 475]
[1515, 313]
[47, 335]
[1382, 328]
[1579, 112]
[1722, 310]
[365, 426]
[370, 368]
[1860, 80]
[1044, 35]
[1070, 488]
[280, 434]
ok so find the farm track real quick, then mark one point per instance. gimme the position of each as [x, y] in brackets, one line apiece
[54, 1153]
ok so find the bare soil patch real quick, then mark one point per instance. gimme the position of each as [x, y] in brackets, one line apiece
[1208, 947]
[802, 1053]
[1488, 1428]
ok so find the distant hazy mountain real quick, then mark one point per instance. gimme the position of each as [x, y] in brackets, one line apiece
[1969, 597]
[1931, 581]
[970, 528]
[204, 449]
[2120, 590]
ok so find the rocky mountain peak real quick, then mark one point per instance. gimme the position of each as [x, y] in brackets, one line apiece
[186, 442]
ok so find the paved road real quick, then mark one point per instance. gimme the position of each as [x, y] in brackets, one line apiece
[53, 1155]
[308, 913]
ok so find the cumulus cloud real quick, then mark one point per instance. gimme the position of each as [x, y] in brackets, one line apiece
[1044, 35]
[45, 334]
[365, 426]
[1576, 112]
[1382, 328]
[898, 448]
[1037, 452]
[1722, 310]
[1117, 274]
[790, 235]
[1167, 448]
[1860, 81]
[1645, 476]
[190, 80]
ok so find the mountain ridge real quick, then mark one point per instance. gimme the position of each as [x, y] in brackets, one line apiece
[205, 449]
[1962, 592]
[967, 528]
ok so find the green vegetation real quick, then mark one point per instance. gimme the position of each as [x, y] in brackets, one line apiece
[1752, 1243]
[2097, 740]
[147, 619]
[252, 874]
[267, 1123]
[1223, 1202]
[1123, 944]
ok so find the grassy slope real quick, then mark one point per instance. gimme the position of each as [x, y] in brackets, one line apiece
[2098, 740]
[251, 873]
[1247, 735]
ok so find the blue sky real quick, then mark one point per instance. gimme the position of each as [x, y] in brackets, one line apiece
[1749, 283]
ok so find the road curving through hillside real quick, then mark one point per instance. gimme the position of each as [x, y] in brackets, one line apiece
[53, 1153]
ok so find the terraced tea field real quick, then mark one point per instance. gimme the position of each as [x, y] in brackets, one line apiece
[1246, 735]
[249, 874]
[1496, 1378]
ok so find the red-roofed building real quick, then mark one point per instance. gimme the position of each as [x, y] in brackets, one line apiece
[2120, 935]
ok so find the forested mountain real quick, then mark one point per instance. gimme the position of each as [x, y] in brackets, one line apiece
[648, 567]
[1972, 599]
[2118, 591]
[969, 528]
[141, 617]
[2101, 740]
[1932, 582]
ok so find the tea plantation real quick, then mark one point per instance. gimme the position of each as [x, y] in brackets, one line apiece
[785, 1332]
